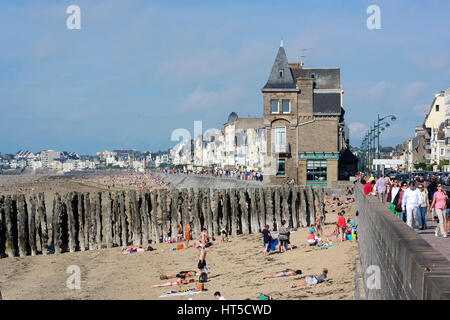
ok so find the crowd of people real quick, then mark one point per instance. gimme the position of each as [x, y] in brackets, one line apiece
[415, 202]
[218, 172]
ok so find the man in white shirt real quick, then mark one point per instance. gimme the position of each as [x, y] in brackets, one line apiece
[410, 204]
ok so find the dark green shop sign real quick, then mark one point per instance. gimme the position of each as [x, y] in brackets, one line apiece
[317, 155]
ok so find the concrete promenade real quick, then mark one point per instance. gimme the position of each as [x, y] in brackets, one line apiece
[440, 244]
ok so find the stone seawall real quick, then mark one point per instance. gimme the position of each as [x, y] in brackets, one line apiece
[180, 181]
[409, 268]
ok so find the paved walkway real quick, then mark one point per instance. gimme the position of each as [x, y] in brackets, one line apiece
[440, 244]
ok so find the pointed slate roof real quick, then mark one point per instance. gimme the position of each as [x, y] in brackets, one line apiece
[285, 81]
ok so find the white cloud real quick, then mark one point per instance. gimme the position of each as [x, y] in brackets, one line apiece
[356, 128]
[415, 91]
[203, 100]
[420, 108]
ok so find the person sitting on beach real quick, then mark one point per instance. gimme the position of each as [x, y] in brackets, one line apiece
[267, 239]
[335, 231]
[179, 282]
[283, 273]
[312, 239]
[224, 236]
[313, 280]
[283, 236]
[181, 275]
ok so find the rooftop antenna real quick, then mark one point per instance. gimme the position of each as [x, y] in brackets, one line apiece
[302, 56]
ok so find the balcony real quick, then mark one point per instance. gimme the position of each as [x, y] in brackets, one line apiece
[278, 148]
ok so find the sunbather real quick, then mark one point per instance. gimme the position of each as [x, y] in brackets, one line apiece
[284, 273]
[133, 250]
[312, 280]
[174, 283]
[181, 275]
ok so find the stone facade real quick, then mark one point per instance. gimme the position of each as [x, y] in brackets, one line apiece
[304, 139]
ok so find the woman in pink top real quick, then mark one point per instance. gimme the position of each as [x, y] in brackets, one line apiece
[439, 200]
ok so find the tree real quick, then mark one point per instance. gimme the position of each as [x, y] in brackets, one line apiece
[420, 165]
[442, 163]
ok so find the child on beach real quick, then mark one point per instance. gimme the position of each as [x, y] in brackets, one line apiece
[312, 241]
[267, 239]
[342, 226]
[335, 231]
[187, 233]
[319, 226]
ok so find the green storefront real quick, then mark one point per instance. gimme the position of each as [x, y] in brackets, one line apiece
[317, 166]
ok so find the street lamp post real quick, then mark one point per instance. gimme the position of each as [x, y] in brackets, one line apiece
[393, 118]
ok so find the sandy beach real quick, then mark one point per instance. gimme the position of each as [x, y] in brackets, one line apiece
[236, 271]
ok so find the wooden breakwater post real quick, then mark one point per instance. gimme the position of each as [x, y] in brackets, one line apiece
[96, 220]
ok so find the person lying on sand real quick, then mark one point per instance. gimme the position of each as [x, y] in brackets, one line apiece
[284, 273]
[174, 283]
[133, 250]
[181, 275]
[312, 280]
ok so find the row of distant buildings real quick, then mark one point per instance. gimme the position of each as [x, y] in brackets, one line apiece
[72, 161]
[430, 145]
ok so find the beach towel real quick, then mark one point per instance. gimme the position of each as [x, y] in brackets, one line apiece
[324, 247]
[179, 294]
[273, 245]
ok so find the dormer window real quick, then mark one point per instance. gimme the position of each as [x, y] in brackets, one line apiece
[281, 73]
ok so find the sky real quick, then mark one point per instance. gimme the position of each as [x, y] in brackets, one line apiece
[137, 70]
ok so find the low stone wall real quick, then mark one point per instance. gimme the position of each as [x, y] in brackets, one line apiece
[409, 268]
[90, 221]
[180, 181]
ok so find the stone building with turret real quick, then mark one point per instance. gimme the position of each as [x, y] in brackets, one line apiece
[304, 122]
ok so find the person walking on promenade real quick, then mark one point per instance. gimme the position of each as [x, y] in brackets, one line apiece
[410, 204]
[424, 205]
[393, 190]
[440, 206]
[447, 213]
[381, 187]
[368, 187]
